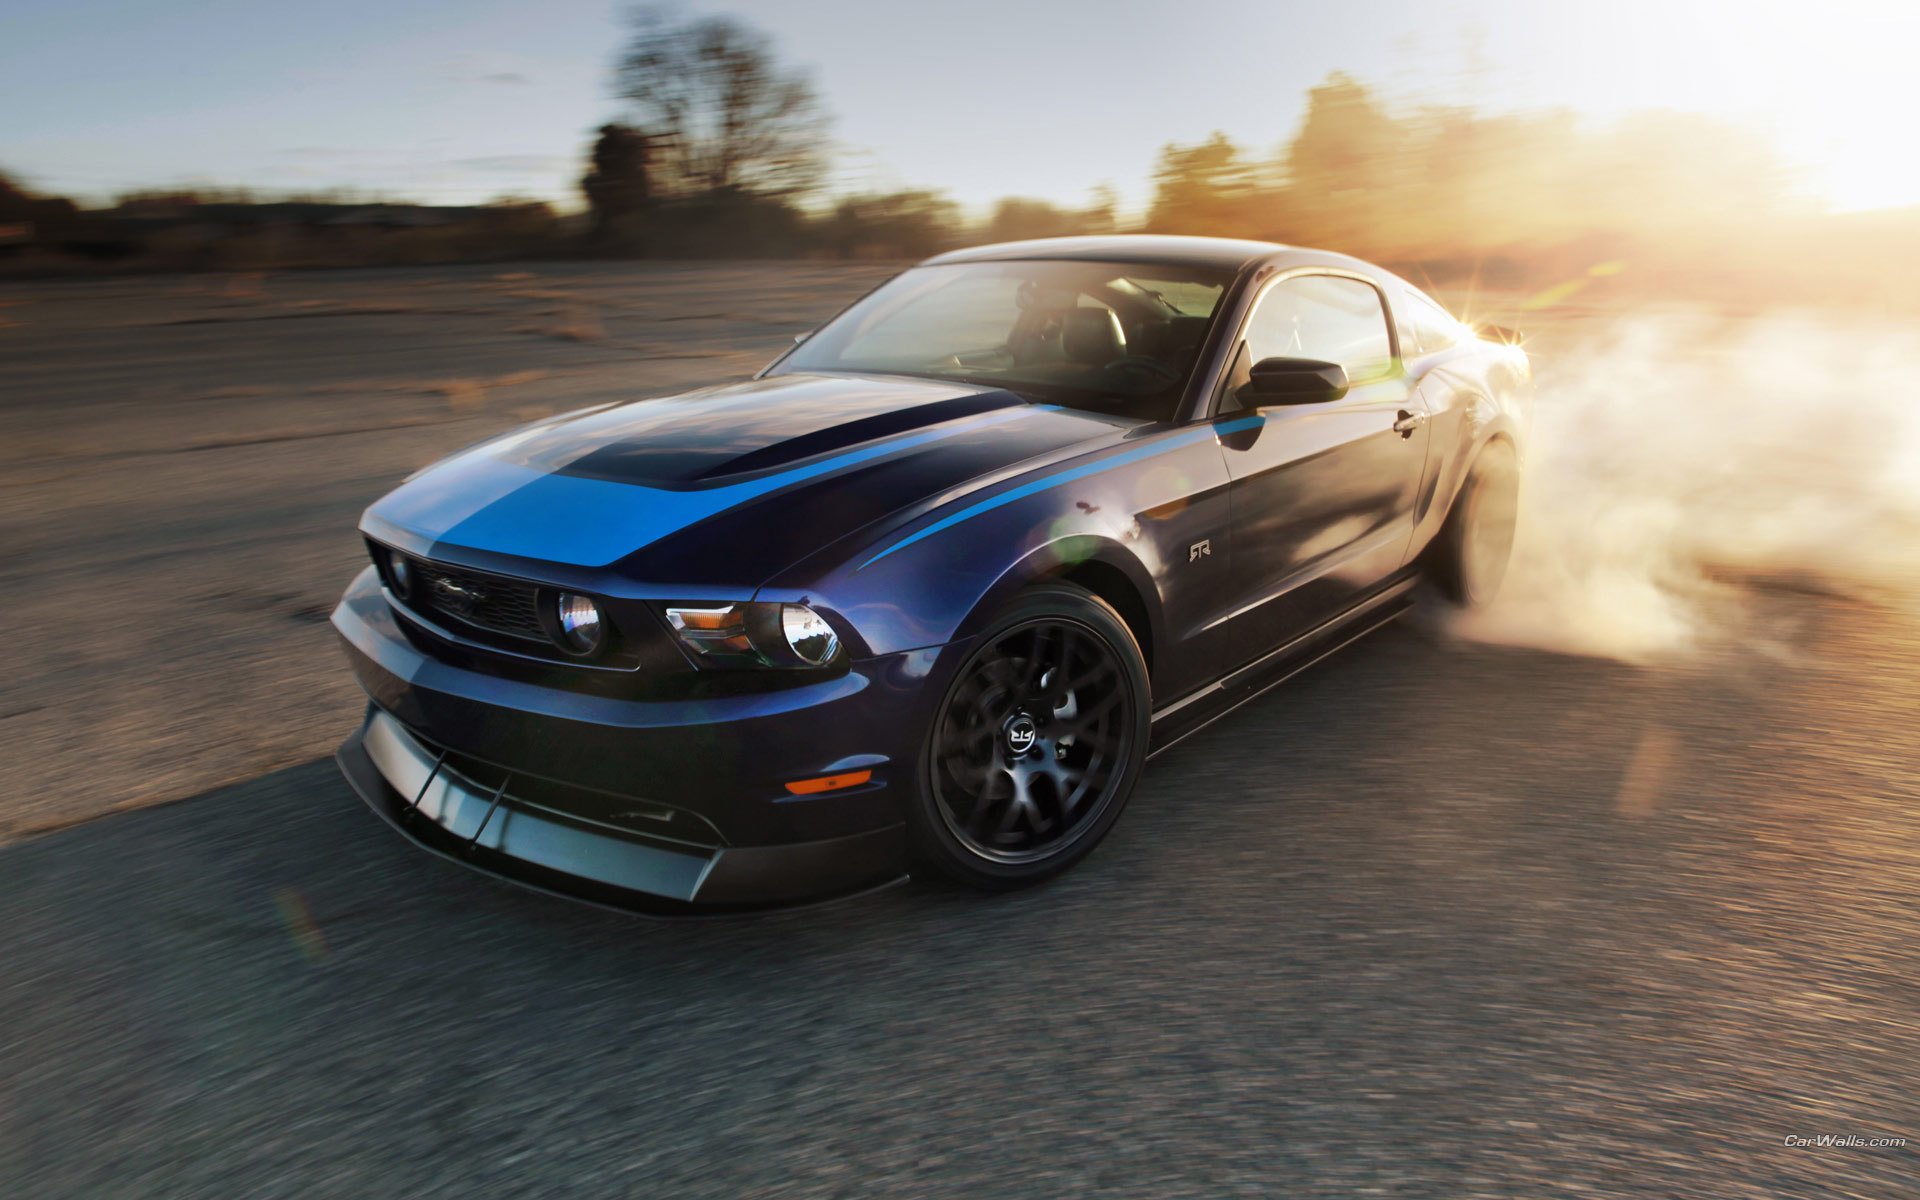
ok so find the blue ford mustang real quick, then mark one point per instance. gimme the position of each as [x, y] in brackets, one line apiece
[929, 591]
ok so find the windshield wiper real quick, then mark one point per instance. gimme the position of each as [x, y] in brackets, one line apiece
[1171, 306]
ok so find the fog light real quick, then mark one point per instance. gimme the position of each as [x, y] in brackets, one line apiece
[580, 626]
[402, 572]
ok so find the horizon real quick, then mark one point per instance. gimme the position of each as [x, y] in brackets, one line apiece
[456, 103]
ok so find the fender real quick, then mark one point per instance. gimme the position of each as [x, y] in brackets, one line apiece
[1126, 508]
[968, 599]
[1062, 559]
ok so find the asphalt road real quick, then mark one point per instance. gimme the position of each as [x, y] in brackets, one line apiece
[1436, 919]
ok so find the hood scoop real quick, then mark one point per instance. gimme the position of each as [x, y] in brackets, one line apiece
[849, 434]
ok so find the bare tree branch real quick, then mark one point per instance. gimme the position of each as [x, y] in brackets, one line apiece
[721, 112]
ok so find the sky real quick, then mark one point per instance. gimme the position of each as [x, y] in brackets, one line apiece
[459, 101]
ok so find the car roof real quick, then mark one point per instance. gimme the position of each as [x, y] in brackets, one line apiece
[1221, 253]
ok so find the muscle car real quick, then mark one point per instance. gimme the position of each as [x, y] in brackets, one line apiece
[926, 594]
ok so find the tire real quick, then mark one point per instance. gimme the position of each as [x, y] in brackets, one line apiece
[1036, 744]
[1468, 559]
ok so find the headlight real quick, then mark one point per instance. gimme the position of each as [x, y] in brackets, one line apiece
[578, 617]
[808, 635]
[756, 635]
[718, 633]
[402, 572]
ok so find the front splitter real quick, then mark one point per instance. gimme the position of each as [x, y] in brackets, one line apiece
[490, 831]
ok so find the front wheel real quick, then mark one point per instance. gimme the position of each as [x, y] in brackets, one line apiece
[1036, 745]
[1468, 559]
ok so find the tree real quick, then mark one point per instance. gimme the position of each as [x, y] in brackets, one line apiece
[723, 114]
[1347, 139]
[1205, 188]
[617, 183]
[1103, 214]
[19, 204]
[1346, 166]
[1017, 219]
[910, 224]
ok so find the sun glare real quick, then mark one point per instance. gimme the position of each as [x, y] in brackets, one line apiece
[1831, 85]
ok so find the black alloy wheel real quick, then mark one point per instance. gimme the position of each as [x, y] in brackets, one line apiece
[1038, 742]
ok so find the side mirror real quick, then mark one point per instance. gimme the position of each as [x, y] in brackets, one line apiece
[1295, 381]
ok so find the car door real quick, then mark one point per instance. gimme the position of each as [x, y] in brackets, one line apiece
[1322, 494]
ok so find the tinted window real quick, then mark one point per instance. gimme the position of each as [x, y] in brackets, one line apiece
[1114, 337]
[1327, 317]
[951, 316]
[1432, 327]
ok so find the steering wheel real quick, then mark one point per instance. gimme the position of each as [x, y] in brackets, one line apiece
[1141, 365]
[961, 360]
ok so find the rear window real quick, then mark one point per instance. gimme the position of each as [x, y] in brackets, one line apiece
[1432, 327]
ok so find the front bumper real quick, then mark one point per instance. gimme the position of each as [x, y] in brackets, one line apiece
[440, 809]
[638, 803]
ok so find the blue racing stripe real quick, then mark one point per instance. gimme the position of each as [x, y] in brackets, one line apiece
[487, 503]
[1068, 476]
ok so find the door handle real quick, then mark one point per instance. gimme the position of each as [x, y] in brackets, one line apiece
[1408, 422]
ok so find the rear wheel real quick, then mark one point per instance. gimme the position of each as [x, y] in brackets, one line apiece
[1036, 745]
[1468, 560]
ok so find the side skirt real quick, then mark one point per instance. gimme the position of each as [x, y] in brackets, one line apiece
[1195, 711]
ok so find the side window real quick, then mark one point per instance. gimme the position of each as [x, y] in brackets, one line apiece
[1327, 317]
[1432, 327]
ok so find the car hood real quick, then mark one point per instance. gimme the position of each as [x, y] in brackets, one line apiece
[725, 484]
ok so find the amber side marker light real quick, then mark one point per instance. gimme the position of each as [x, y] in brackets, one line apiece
[828, 783]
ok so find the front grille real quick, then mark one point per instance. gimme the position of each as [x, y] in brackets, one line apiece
[496, 603]
[468, 612]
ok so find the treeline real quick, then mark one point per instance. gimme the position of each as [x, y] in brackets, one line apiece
[233, 229]
[721, 150]
[1660, 203]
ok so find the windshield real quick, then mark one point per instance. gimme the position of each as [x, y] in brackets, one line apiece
[1108, 337]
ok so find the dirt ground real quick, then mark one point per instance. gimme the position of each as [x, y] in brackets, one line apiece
[183, 462]
[1621, 907]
